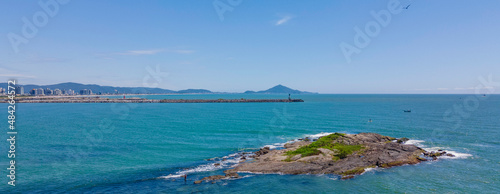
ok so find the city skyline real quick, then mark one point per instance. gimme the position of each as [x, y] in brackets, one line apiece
[432, 47]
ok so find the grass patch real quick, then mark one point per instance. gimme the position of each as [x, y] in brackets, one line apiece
[345, 150]
[312, 149]
[327, 143]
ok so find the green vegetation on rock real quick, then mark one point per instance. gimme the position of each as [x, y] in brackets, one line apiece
[326, 142]
[402, 140]
[345, 150]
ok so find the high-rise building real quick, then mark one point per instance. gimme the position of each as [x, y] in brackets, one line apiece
[39, 91]
[57, 92]
[20, 90]
[86, 92]
[48, 91]
[68, 92]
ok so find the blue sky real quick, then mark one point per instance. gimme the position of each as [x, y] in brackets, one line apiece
[431, 47]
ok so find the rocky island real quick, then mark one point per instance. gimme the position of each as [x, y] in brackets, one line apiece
[341, 154]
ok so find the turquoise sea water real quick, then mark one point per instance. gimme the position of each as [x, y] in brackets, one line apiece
[142, 148]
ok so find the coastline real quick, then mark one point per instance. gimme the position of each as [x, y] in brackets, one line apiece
[142, 100]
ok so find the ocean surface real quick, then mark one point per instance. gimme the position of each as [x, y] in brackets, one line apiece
[145, 148]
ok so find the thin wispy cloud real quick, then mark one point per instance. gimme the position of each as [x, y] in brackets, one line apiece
[180, 51]
[39, 59]
[111, 56]
[35, 59]
[16, 76]
[11, 74]
[140, 52]
[156, 51]
[283, 20]
[449, 89]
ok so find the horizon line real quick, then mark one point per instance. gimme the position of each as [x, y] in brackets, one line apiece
[393, 93]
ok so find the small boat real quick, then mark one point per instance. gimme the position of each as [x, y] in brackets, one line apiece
[406, 110]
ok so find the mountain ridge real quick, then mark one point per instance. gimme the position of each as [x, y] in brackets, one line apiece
[98, 89]
[279, 89]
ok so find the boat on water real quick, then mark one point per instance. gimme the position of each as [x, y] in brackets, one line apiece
[407, 110]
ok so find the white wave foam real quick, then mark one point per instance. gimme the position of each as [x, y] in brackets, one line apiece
[414, 142]
[457, 155]
[171, 176]
[316, 136]
[274, 146]
[201, 168]
[434, 149]
[369, 169]
[217, 164]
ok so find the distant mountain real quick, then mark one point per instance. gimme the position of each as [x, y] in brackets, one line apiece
[279, 89]
[97, 89]
[104, 89]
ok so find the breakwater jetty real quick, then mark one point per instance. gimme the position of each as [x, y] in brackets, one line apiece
[142, 100]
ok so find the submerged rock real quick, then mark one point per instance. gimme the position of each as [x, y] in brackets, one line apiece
[435, 155]
[262, 151]
[229, 174]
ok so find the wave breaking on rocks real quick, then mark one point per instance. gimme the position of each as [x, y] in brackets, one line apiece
[341, 154]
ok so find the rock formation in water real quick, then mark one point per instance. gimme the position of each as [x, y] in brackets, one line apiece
[342, 154]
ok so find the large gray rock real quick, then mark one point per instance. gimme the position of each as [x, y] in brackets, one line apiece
[379, 151]
[326, 151]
